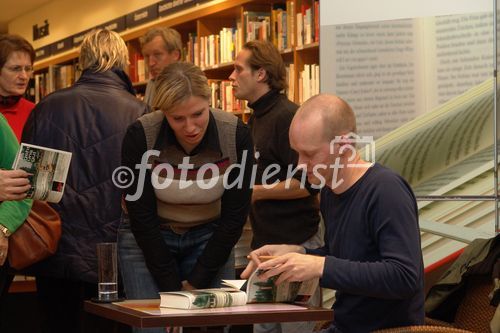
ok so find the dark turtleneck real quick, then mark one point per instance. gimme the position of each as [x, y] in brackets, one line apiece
[9, 101]
[278, 221]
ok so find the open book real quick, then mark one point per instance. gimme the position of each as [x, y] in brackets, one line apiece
[448, 151]
[392, 71]
[240, 292]
[48, 168]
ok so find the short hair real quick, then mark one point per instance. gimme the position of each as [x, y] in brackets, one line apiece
[14, 43]
[103, 49]
[336, 115]
[177, 83]
[266, 56]
[171, 38]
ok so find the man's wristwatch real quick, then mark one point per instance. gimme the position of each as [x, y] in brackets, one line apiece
[5, 231]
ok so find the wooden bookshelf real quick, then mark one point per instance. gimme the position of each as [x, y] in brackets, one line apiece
[209, 18]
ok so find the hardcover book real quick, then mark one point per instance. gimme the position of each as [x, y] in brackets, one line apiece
[241, 292]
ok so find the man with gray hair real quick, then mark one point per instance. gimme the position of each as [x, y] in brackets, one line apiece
[88, 119]
[161, 46]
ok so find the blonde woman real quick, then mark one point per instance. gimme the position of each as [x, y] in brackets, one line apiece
[185, 231]
[88, 119]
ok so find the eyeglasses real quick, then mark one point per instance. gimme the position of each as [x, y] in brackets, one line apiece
[18, 69]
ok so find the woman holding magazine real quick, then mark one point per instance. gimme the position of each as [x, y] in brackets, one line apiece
[13, 207]
[187, 226]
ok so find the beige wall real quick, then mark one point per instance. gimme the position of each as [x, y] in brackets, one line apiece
[68, 17]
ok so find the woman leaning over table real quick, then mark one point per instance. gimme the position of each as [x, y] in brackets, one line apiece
[185, 236]
[13, 207]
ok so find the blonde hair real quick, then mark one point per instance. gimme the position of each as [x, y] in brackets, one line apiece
[171, 38]
[177, 83]
[103, 49]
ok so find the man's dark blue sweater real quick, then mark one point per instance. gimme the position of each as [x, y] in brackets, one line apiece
[373, 253]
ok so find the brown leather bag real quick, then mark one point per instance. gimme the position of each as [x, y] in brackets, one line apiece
[36, 238]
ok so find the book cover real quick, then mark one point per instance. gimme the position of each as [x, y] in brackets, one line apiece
[48, 169]
[203, 298]
[259, 291]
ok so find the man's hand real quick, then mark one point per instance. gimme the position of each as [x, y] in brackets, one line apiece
[4, 247]
[268, 250]
[13, 184]
[293, 267]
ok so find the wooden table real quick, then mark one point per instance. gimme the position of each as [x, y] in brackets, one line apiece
[147, 313]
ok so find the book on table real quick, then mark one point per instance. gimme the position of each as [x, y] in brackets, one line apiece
[241, 292]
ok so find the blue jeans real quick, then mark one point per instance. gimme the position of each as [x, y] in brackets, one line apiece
[302, 326]
[186, 248]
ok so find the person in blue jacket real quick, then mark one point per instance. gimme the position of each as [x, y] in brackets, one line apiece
[88, 119]
[372, 254]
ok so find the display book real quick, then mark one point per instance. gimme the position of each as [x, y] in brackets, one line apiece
[241, 292]
[48, 169]
[448, 151]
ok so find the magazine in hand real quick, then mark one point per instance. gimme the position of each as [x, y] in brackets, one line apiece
[241, 292]
[48, 169]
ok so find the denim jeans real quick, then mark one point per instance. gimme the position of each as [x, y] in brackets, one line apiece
[302, 326]
[186, 248]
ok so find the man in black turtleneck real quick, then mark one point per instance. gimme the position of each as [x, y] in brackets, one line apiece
[286, 212]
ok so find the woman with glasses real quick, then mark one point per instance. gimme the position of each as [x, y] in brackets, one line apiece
[16, 66]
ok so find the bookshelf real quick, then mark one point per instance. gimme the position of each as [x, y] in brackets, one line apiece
[212, 33]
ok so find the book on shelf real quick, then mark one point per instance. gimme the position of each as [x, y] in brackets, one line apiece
[256, 25]
[48, 169]
[241, 292]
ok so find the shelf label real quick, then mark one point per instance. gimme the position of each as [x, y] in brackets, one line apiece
[167, 7]
[118, 24]
[78, 38]
[42, 52]
[62, 45]
[141, 16]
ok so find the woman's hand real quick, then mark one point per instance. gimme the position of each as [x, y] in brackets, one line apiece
[13, 185]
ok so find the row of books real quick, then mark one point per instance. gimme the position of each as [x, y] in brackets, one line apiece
[308, 24]
[277, 26]
[223, 97]
[55, 78]
[308, 82]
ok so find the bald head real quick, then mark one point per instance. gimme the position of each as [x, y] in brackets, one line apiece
[325, 115]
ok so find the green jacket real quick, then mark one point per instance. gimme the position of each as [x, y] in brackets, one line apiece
[12, 213]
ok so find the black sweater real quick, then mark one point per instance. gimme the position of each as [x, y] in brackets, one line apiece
[143, 212]
[279, 221]
[373, 254]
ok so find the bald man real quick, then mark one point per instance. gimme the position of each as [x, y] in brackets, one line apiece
[372, 255]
